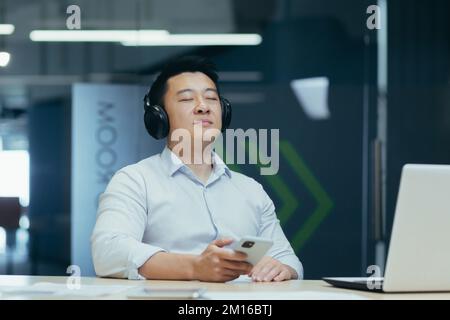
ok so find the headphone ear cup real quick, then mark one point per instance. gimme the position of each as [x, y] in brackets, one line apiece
[156, 122]
[226, 113]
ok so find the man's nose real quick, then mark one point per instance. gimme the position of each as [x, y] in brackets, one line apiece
[201, 107]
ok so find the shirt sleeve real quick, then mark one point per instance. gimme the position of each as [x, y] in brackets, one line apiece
[270, 228]
[116, 242]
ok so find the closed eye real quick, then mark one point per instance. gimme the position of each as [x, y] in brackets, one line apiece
[183, 100]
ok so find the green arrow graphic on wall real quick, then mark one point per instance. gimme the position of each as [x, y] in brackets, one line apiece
[324, 203]
[288, 199]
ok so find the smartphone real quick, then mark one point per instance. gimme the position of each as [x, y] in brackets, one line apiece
[254, 247]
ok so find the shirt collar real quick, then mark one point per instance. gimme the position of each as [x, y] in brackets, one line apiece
[173, 163]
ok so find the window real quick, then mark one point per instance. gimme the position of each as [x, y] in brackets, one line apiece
[15, 175]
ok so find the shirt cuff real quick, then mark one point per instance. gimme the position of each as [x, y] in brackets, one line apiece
[294, 263]
[139, 255]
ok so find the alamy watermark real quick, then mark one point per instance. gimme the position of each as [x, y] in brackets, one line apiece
[239, 147]
[73, 282]
[73, 22]
[374, 281]
[374, 20]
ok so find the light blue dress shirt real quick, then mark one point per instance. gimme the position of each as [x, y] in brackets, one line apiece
[158, 204]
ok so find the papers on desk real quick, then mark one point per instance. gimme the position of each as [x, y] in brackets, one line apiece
[169, 293]
[61, 289]
[280, 295]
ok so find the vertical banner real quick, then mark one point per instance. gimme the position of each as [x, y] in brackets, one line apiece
[108, 133]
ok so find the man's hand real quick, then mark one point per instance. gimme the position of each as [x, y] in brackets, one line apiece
[217, 264]
[269, 269]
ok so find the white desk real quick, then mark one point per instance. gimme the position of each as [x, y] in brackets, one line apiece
[312, 289]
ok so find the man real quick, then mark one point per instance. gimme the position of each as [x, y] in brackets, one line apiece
[171, 217]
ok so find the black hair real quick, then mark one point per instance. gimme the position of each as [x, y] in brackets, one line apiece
[177, 66]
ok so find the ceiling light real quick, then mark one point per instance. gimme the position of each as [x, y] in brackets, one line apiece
[96, 35]
[220, 39]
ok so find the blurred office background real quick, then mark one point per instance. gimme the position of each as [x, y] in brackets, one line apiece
[353, 105]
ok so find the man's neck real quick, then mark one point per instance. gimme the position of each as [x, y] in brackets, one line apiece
[201, 167]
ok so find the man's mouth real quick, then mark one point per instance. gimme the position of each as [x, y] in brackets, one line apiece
[203, 122]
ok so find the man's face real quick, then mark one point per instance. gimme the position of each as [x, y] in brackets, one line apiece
[192, 100]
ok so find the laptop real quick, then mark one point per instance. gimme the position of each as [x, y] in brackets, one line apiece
[419, 252]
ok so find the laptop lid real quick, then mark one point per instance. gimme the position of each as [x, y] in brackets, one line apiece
[419, 250]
